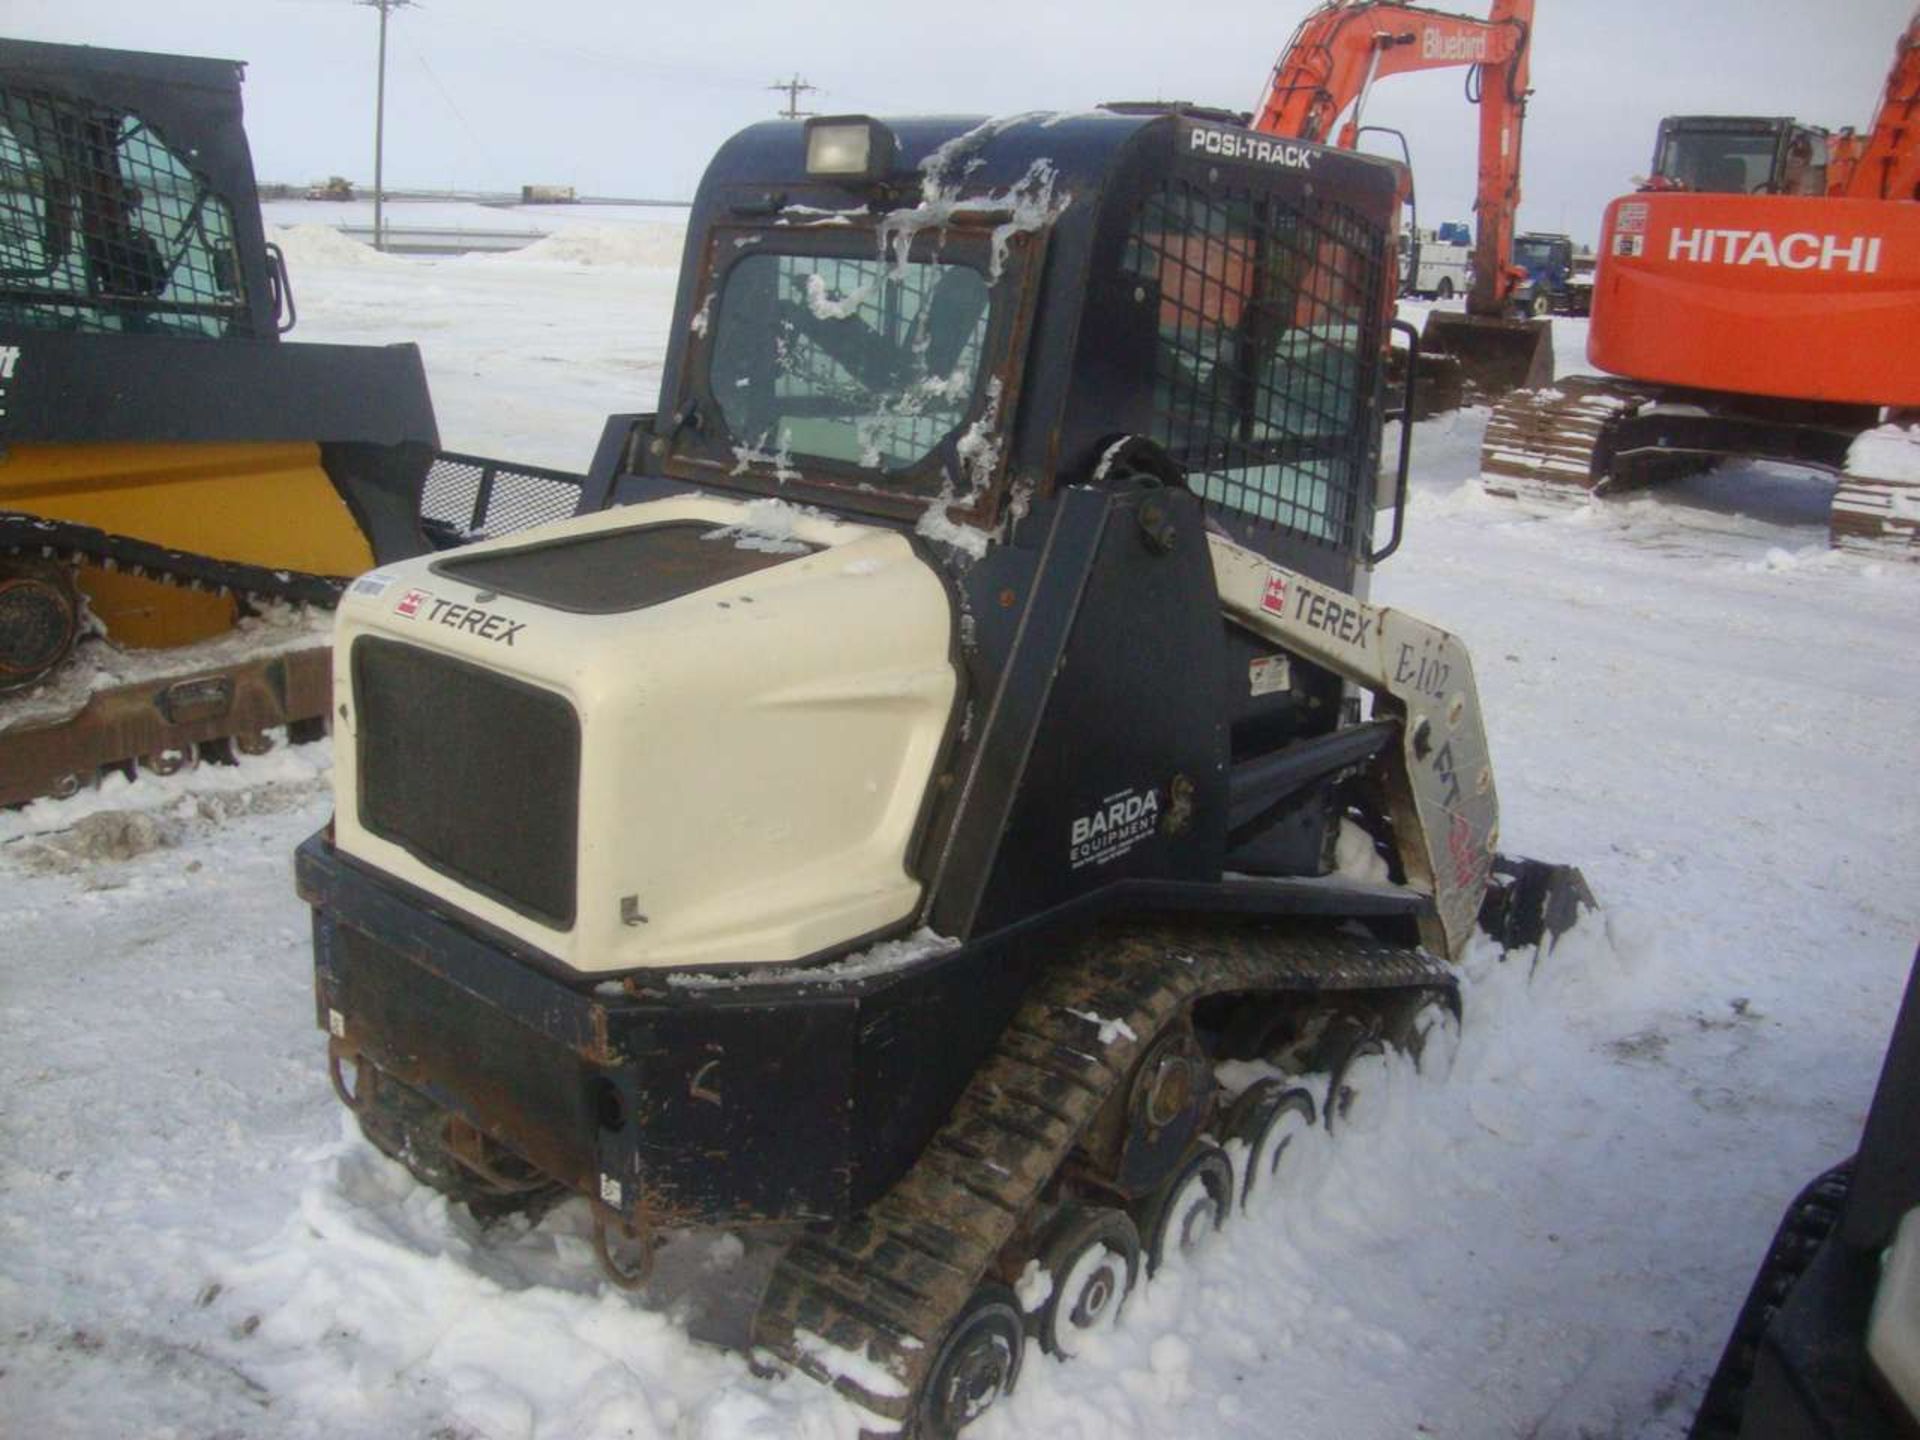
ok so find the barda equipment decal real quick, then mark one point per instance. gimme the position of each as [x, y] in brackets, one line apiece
[1121, 822]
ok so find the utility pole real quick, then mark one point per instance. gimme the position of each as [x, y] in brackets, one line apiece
[380, 114]
[794, 88]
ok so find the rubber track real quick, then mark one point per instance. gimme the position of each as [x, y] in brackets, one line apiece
[1808, 1222]
[886, 1284]
[35, 535]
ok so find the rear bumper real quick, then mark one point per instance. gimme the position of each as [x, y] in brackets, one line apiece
[671, 1104]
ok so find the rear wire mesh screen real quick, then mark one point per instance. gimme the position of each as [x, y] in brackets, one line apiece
[466, 497]
[1268, 353]
[105, 227]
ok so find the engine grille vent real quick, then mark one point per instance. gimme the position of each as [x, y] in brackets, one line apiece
[473, 773]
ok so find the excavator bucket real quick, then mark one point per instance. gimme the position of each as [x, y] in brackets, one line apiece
[1491, 356]
[1533, 902]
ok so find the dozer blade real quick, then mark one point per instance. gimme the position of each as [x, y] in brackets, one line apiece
[1533, 902]
[1493, 356]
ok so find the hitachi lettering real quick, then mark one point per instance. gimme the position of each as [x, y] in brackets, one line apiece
[1437, 44]
[1324, 613]
[1859, 255]
[473, 621]
[1232, 145]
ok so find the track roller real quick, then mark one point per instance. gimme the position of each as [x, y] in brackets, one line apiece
[977, 1364]
[1093, 1254]
[1268, 1118]
[1190, 1205]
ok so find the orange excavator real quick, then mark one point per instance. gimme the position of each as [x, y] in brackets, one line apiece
[1327, 71]
[1759, 297]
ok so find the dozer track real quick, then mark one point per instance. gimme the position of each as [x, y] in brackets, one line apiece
[61, 540]
[864, 1307]
[159, 721]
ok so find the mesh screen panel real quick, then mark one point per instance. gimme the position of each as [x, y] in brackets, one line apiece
[468, 498]
[1268, 353]
[105, 227]
[471, 772]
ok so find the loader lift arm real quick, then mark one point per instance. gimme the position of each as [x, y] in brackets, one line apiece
[1439, 783]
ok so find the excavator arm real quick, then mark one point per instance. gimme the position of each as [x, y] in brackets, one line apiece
[1343, 47]
[1885, 163]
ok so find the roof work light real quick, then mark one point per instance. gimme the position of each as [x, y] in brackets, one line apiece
[849, 147]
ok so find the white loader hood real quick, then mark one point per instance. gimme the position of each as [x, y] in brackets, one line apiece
[688, 732]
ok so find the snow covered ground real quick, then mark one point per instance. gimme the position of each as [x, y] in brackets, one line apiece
[1706, 709]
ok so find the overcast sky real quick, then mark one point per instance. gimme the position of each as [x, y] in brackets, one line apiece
[631, 99]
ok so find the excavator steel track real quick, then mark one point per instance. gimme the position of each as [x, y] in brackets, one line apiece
[864, 1306]
[1554, 447]
[1540, 444]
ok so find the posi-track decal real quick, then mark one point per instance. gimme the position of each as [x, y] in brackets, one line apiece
[1233, 145]
[1117, 825]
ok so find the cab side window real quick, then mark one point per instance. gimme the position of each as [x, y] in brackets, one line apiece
[105, 227]
[1268, 318]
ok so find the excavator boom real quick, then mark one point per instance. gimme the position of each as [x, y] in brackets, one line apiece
[1887, 163]
[1326, 73]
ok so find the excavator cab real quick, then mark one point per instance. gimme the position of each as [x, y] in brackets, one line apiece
[1740, 155]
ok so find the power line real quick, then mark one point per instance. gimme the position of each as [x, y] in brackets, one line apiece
[794, 89]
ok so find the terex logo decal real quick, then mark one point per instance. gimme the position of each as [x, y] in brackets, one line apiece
[1121, 822]
[468, 618]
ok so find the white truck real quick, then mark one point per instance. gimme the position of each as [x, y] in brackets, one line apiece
[1437, 263]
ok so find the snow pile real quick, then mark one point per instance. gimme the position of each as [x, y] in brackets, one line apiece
[324, 246]
[1890, 452]
[120, 818]
[654, 246]
[373, 1283]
